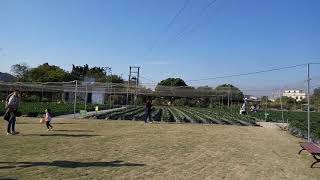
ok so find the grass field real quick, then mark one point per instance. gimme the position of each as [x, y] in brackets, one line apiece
[100, 149]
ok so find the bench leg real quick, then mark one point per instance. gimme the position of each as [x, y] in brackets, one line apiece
[317, 160]
[301, 150]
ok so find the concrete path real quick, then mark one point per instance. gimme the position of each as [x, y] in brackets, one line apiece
[77, 115]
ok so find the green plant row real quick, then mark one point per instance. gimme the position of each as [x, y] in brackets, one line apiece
[34, 109]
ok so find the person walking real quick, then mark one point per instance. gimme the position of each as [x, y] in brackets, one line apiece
[148, 111]
[48, 118]
[12, 104]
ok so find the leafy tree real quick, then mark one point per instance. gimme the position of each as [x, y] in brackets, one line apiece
[172, 82]
[98, 73]
[46, 73]
[19, 70]
[79, 72]
[114, 78]
[235, 93]
[315, 98]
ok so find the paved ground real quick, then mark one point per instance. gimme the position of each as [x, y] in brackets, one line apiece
[101, 149]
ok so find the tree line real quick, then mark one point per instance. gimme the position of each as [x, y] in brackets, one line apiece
[51, 73]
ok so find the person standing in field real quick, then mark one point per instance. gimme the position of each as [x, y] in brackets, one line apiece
[48, 118]
[12, 104]
[148, 111]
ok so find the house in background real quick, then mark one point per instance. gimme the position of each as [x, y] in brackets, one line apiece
[298, 95]
[95, 93]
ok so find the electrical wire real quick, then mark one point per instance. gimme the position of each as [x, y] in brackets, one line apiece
[169, 25]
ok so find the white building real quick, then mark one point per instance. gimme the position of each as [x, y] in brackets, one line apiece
[298, 95]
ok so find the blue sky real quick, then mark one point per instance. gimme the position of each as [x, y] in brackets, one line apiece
[230, 37]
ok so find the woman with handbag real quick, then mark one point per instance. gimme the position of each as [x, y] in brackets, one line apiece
[12, 104]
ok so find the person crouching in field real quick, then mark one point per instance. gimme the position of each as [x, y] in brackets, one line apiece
[48, 118]
[11, 106]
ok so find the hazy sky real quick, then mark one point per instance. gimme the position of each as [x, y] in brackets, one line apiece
[228, 37]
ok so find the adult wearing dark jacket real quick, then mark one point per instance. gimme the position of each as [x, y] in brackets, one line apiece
[12, 104]
[148, 111]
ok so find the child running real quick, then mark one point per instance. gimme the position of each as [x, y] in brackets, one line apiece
[48, 119]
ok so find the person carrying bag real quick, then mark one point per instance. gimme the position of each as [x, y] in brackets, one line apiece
[12, 104]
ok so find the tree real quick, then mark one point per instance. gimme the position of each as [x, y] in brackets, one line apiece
[235, 93]
[79, 72]
[46, 73]
[315, 98]
[172, 82]
[114, 78]
[169, 87]
[19, 70]
[98, 73]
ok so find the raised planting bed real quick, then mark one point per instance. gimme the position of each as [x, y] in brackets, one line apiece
[166, 116]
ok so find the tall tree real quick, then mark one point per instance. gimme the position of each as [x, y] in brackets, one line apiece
[172, 82]
[98, 73]
[19, 70]
[228, 89]
[114, 78]
[46, 73]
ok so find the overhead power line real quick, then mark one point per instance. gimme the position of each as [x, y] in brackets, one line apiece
[189, 25]
[169, 25]
[250, 73]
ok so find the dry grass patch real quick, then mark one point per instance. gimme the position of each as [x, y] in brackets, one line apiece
[98, 149]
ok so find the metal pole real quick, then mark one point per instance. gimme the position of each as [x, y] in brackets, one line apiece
[229, 97]
[222, 101]
[309, 103]
[281, 106]
[75, 99]
[128, 87]
[265, 111]
[110, 86]
[86, 97]
[137, 86]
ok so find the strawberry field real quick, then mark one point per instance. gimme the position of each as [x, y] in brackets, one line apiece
[182, 115]
[296, 119]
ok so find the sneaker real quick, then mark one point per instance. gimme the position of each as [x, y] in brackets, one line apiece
[8, 134]
[14, 133]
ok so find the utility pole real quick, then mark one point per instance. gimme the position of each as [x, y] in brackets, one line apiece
[128, 88]
[309, 103]
[229, 96]
[108, 70]
[86, 97]
[281, 106]
[75, 100]
[265, 111]
[134, 72]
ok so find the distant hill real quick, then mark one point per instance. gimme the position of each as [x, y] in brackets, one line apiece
[6, 77]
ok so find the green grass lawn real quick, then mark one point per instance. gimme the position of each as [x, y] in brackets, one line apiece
[100, 149]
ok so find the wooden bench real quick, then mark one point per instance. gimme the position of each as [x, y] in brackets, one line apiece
[313, 149]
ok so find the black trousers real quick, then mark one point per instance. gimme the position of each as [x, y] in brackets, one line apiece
[11, 123]
[148, 116]
[48, 124]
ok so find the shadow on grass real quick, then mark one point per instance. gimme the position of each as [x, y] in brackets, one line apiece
[75, 130]
[62, 135]
[68, 164]
[40, 123]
